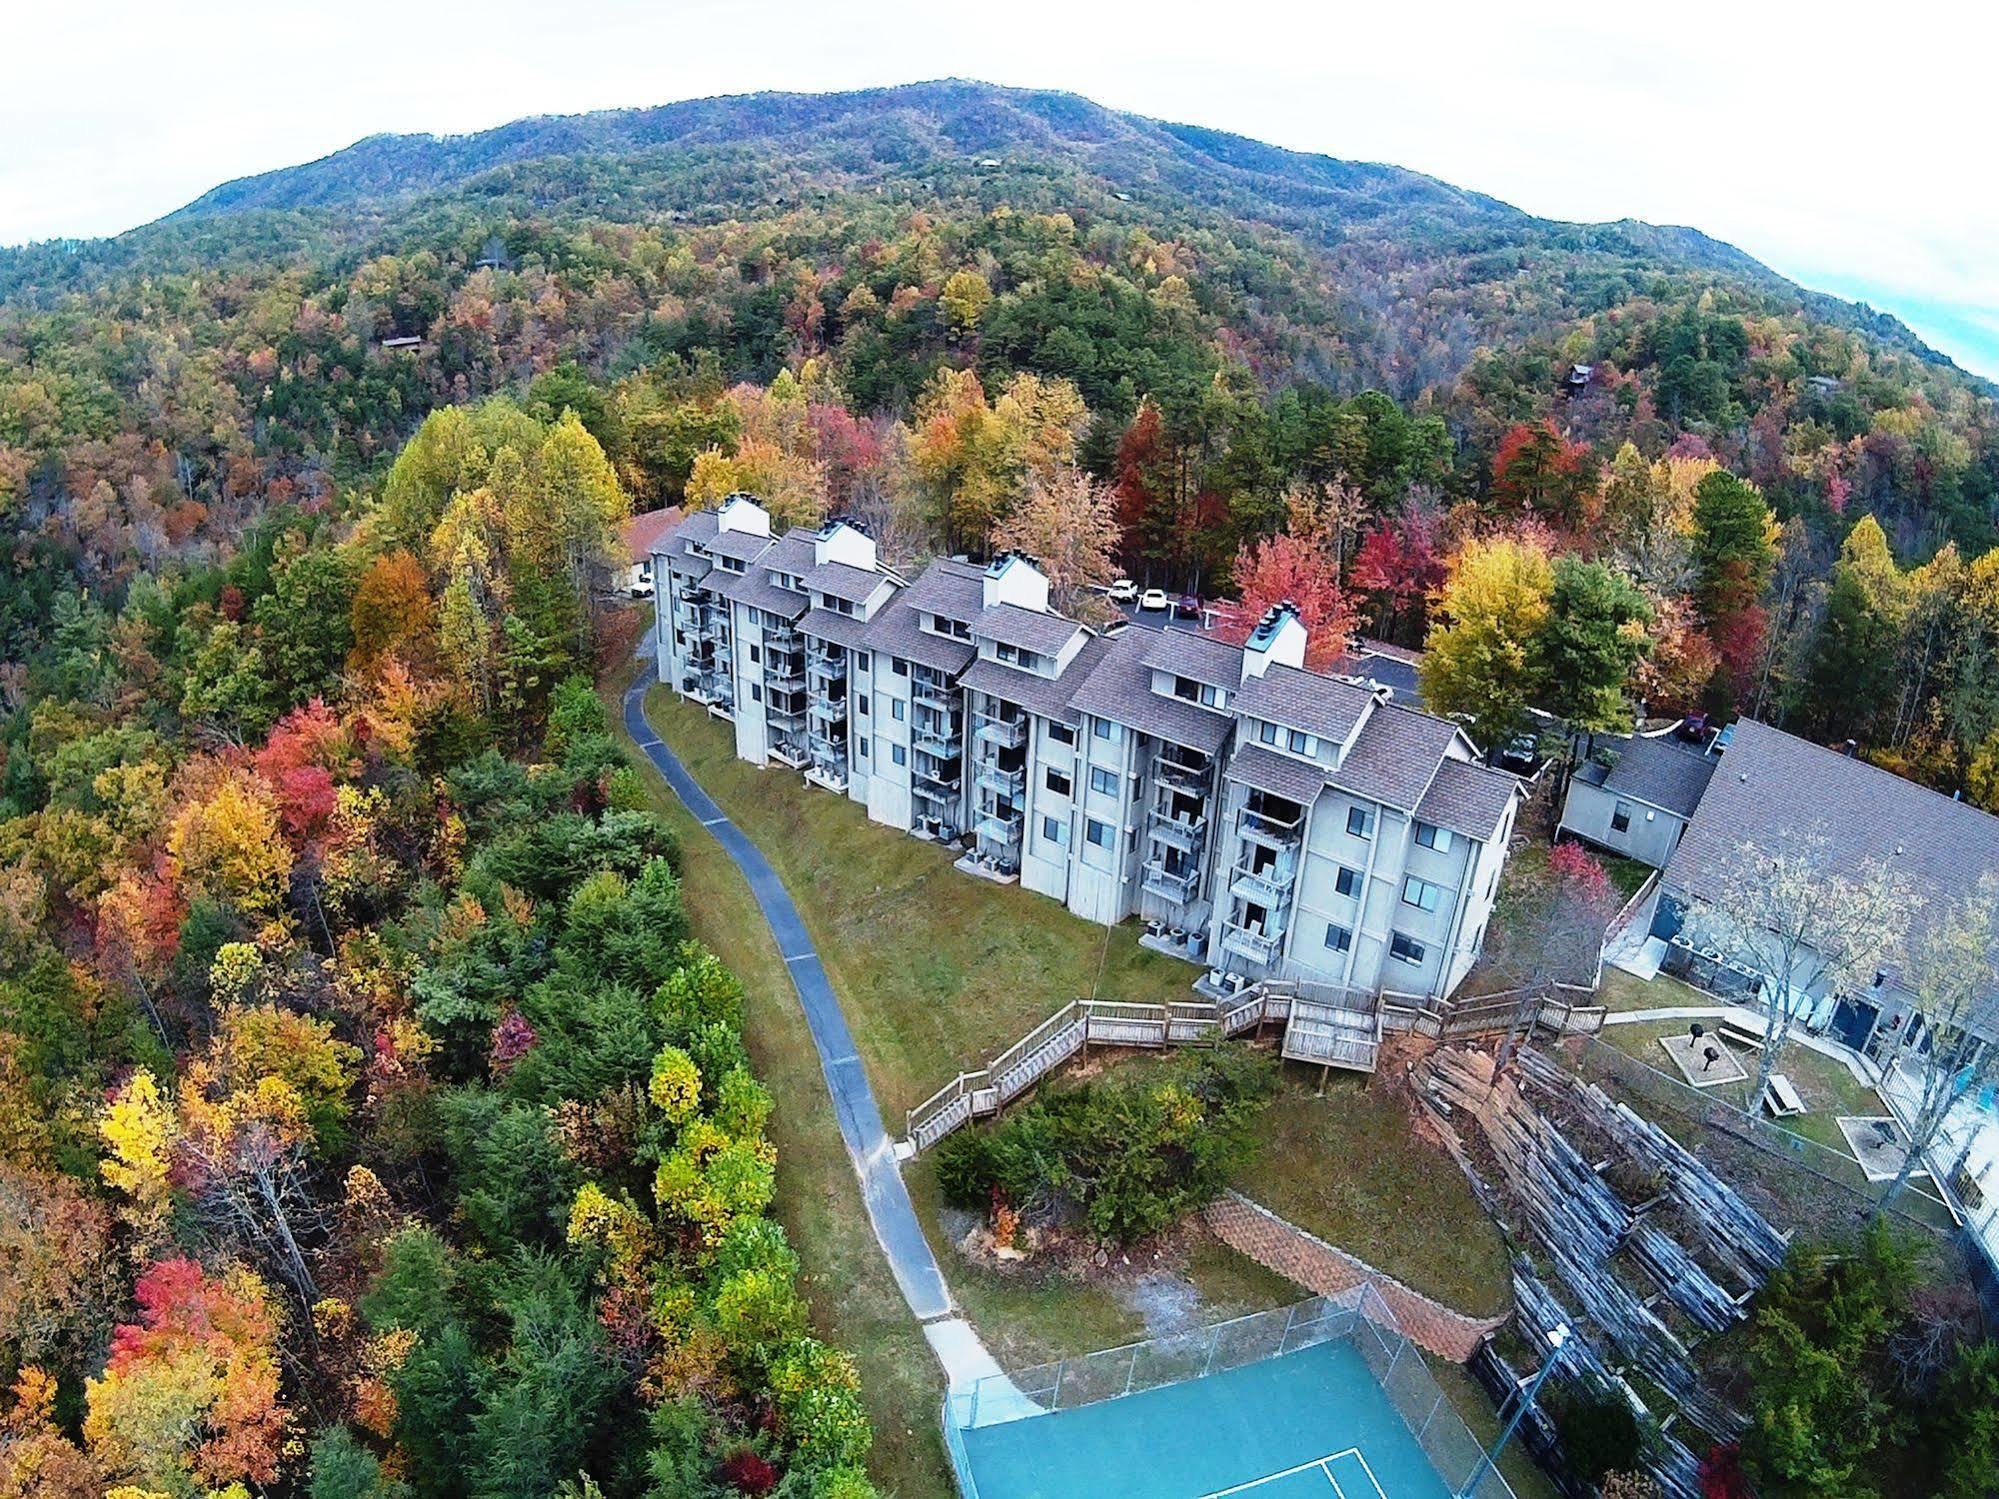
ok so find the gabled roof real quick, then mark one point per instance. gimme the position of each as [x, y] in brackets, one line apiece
[1305, 700]
[741, 546]
[694, 530]
[856, 585]
[1120, 688]
[1048, 696]
[1468, 798]
[898, 629]
[1026, 629]
[1205, 659]
[755, 590]
[1773, 789]
[1657, 770]
[1395, 757]
[956, 590]
[1282, 775]
[830, 624]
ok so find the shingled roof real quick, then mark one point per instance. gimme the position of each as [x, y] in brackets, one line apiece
[1468, 798]
[898, 630]
[841, 580]
[1026, 629]
[1658, 771]
[1319, 705]
[1048, 696]
[739, 546]
[1395, 757]
[1295, 780]
[1773, 789]
[1205, 659]
[1121, 689]
[956, 590]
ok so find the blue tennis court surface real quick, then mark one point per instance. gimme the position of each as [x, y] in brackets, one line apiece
[1307, 1425]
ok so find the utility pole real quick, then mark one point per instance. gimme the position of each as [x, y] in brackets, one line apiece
[1558, 1338]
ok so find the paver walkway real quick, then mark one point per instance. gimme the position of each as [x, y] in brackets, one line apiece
[868, 1145]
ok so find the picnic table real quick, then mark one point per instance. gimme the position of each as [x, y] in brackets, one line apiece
[1781, 1098]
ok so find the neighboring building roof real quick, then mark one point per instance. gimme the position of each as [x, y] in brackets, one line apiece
[1468, 798]
[643, 532]
[1304, 700]
[841, 629]
[1026, 629]
[1773, 789]
[1395, 756]
[1658, 771]
[742, 546]
[898, 629]
[1266, 770]
[841, 581]
[1120, 688]
[686, 564]
[1215, 663]
[695, 529]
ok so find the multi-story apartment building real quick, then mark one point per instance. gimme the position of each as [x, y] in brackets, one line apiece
[1264, 820]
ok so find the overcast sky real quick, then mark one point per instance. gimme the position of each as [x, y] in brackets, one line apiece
[1856, 159]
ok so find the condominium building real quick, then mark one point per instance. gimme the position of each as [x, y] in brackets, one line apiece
[1262, 819]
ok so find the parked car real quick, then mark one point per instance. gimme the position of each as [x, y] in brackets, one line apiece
[1153, 599]
[1187, 606]
[1123, 591]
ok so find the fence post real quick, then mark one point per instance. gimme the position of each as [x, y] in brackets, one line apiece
[1055, 1399]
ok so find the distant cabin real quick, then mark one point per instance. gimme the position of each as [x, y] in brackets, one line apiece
[1825, 385]
[493, 257]
[403, 343]
[1580, 376]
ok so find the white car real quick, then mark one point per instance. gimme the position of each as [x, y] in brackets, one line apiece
[1152, 598]
[1123, 591]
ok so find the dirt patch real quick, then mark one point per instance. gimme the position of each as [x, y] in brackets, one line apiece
[1165, 1300]
[1150, 1277]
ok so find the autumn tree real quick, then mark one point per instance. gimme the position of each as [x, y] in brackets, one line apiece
[1289, 569]
[1067, 523]
[1854, 670]
[1482, 660]
[1539, 473]
[1734, 555]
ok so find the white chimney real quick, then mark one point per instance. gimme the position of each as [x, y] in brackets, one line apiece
[741, 512]
[1278, 639]
[1013, 579]
[840, 540]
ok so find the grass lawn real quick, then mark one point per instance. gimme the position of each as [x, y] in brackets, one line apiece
[1350, 1168]
[1626, 991]
[855, 1302]
[937, 971]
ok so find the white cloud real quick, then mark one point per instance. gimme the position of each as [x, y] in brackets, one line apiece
[1835, 148]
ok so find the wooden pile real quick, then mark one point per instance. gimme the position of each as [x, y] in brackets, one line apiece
[1581, 1226]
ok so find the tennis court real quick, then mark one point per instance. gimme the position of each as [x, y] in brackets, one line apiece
[1314, 1423]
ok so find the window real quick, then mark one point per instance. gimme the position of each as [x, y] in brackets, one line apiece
[1620, 817]
[861, 702]
[1302, 743]
[1187, 689]
[755, 658]
[756, 693]
[1103, 728]
[1061, 733]
[1103, 781]
[1405, 949]
[1421, 894]
[1431, 836]
[1098, 833]
[898, 754]
[896, 709]
[1055, 830]
[1360, 822]
[862, 746]
[899, 666]
[1338, 938]
[1214, 697]
[1059, 783]
[1347, 882]
[1267, 732]
[863, 662]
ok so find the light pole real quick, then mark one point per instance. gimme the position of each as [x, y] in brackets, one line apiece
[1558, 1338]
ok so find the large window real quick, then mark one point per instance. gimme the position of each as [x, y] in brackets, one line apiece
[1360, 822]
[1058, 783]
[1347, 881]
[1103, 781]
[896, 709]
[1338, 938]
[898, 754]
[1098, 833]
[1061, 733]
[1431, 836]
[1055, 831]
[1406, 949]
[1103, 728]
[1421, 894]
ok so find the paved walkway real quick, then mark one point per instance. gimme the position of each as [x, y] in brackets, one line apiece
[868, 1145]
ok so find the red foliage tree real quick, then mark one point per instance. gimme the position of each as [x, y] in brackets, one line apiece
[1283, 568]
[1536, 471]
[1399, 566]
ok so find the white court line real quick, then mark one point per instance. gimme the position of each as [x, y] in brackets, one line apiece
[1323, 1464]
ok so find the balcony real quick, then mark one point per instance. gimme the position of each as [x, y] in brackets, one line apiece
[936, 696]
[783, 673]
[1000, 830]
[1257, 944]
[941, 740]
[1192, 773]
[783, 638]
[714, 626]
[1270, 885]
[999, 781]
[940, 779]
[1169, 885]
[830, 709]
[1002, 733]
[1182, 833]
[1271, 827]
[826, 669]
[784, 713]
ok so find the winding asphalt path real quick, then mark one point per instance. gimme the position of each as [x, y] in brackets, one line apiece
[868, 1145]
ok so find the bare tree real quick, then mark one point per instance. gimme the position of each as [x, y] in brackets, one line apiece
[1950, 980]
[1802, 925]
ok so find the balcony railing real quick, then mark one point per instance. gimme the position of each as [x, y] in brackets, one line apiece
[1003, 832]
[1266, 886]
[1256, 944]
[1001, 782]
[830, 708]
[941, 740]
[784, 673]
[1272, 829]
[1002, 733]
[1176, 886]
[784, 712]
[1177, 832]
[937, 696]
[826, 669]
[1184, 774]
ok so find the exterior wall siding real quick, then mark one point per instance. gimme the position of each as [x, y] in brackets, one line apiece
[1650, 839]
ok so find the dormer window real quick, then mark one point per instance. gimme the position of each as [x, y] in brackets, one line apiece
[1187, 689]
[956, 629]
[1301, 743]
[1266, 732]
